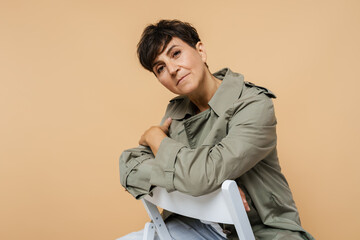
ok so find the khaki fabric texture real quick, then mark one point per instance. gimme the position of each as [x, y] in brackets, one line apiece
[234, 139]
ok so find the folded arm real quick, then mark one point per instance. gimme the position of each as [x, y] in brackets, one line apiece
[251, 136]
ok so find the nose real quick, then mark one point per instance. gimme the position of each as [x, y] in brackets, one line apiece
[173, 68]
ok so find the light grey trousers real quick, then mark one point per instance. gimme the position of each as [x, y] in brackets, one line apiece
[183, 228]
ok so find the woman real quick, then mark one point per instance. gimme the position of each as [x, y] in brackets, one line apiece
[218, 128]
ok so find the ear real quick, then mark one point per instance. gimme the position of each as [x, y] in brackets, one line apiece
[200, 48]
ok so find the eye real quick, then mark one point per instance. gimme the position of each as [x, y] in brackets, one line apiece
[160, 69]
[176, 53]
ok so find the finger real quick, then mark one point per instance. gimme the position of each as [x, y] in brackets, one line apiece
[167, 123]
[246, 206]
[142, 141]
[243, 198]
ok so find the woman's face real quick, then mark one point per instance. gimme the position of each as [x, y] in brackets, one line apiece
[181, 68]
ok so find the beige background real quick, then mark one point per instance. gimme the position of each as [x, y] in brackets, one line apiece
[73, 96]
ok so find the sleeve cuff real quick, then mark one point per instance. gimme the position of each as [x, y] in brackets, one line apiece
[137, 185]
[163, 171]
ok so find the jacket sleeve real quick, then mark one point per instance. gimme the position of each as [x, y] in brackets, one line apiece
[251, 137]
[135, 170]
[135, 166]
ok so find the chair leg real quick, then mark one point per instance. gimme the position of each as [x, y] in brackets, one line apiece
[159, 224]
[149, 231]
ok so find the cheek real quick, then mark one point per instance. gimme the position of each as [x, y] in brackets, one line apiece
[190, 61]
[194, 62]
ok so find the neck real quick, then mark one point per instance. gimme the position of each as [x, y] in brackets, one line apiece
[205, 92]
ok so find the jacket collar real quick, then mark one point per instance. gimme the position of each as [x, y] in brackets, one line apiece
[228, 92]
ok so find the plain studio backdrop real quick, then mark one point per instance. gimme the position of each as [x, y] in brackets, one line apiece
[73, 96]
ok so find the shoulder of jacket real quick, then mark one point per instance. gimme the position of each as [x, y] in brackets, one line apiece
[177, 99]
[259, 89]
[176, 107]
[176, 102]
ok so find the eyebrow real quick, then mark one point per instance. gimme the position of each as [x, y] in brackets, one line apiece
[167, 53]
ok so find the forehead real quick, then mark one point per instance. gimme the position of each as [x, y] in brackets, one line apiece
[164, 49]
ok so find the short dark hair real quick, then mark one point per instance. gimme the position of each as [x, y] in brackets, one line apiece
[156, 37]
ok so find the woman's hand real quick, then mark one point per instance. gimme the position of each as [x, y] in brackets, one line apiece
[243, 197]
[154, 135]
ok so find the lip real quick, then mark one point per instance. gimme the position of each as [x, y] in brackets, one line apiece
[181, 79]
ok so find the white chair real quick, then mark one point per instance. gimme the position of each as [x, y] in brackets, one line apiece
[222, 206]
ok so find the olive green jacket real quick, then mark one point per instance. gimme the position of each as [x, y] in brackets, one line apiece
[234, 139]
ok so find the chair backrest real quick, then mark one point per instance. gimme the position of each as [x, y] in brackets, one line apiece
[209, 207]
[222, 206]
